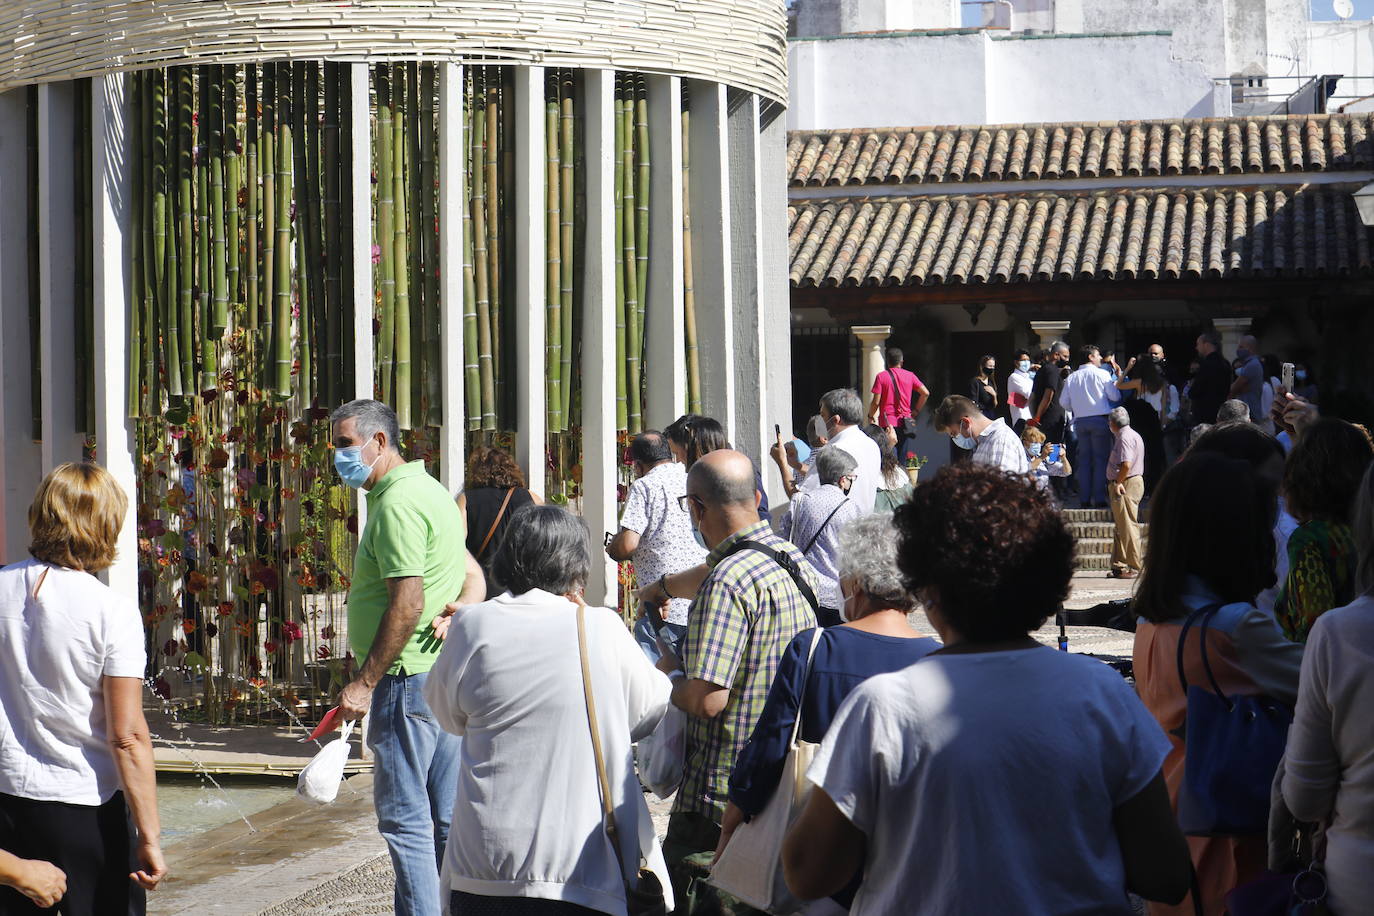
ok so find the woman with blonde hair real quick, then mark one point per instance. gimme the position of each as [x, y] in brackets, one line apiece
[77, 786]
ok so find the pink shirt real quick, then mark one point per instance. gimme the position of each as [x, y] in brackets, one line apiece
[1128, 447]
[894, 409]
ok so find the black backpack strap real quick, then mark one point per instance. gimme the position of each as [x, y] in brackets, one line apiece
[788, 564]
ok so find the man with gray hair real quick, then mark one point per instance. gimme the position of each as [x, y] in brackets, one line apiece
[843, 415]
[1233, 411]
[814, 520]
[410, 564]
[1125, 489]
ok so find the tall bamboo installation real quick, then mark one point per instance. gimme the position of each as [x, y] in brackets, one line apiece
[689, 302]
[633, 168]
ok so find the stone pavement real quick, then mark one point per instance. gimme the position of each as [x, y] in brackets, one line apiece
[305, 860]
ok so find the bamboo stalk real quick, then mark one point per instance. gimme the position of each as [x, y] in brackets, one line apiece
[400, 249]
[689, 308]
[250, 291]
[219, 312]
[415, 236]
[334, 308]
[566, 189]
[282, 362]
[496, 292]
[318, 324]
[268, 284]
[386, 236]
[622, 411]
[633, 316]
[141, 243]
[344, 236]
[303, 192]
[553, 271]
[186, 251]
[156, 306]
[641, 103]
[234, 177]
[481, 262]
[205, 259]
[472, 390]
[434, 358]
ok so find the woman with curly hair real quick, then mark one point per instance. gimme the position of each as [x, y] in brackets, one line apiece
[995, 775]
[493, 491]
[1322, 475]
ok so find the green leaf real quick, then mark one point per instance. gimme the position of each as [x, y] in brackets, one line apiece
[196, 662]
[173, 540]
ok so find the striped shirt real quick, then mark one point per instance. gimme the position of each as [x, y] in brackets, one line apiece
[741, 620]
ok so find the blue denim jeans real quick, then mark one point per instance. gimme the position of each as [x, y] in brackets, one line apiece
[649, 626]
[1094, 447]
[414, 781]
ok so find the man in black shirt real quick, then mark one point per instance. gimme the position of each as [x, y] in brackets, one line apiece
[1046, 411]
[1212, 384]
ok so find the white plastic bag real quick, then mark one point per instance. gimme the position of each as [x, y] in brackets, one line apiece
[663, 754]
[319, 781]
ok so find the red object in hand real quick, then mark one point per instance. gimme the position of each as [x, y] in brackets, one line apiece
[327, 725]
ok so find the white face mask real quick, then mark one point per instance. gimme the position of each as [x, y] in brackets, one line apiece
[844, 606]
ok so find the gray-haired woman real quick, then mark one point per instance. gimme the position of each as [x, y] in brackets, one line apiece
[874, 639]
[527, 833]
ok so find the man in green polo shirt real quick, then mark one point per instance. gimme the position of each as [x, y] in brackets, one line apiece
[411, 567]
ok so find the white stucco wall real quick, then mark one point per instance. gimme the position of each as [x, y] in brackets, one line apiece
[1346, 48]
[826, 18]
[974, 78]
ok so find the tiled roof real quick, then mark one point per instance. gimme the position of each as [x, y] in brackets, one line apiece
[1207, 146]
[1120, 234]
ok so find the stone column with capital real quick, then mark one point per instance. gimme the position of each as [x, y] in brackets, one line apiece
[874, 339]
[1231, 331]
[1050, 331]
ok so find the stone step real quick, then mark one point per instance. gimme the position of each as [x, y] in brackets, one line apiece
[1103, 561]
[1097, 547]
[1084, 516]
[1090, 530]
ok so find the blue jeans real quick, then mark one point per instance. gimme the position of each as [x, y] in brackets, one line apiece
[651, 625]
[415, 779]
[1094, 447]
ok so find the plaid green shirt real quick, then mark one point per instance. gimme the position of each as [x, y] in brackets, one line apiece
[741, 620]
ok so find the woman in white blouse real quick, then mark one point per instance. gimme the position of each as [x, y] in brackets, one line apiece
[77, 786]
[1329, 765]
[527, 833]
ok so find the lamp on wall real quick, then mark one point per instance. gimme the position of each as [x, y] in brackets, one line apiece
[1364, 203]
[974, 309]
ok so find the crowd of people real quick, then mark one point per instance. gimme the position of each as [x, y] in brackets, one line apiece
[982, 772]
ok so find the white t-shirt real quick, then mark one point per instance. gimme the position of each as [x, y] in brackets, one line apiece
[54, 649]
[869, 474]
[986, 783]
[666, 542]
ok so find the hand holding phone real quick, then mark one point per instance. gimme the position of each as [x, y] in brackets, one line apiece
[1287, 372]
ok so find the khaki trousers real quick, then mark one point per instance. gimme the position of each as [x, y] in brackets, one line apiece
[1126, 514]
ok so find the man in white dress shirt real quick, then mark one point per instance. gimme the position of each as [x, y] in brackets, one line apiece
[843, 414]
[991, 441]
[1090, 394]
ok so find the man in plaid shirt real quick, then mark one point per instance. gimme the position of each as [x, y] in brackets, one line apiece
[741, 620]
[991, 441]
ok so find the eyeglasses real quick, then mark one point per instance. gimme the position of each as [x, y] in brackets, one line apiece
[683, 502]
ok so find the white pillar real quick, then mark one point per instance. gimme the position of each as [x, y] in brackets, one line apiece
[57, 253]
[20, 456]
[1231, 331]
[745, 224]
[452, 194]
[360, 199]
[666, 344]
[709, 194]
[873, 337]
[599, 450]
[1050, 331]
[531, 421]
[112, 188]
[774, 298]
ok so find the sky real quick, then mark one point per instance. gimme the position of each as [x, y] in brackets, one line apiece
[1321, 9]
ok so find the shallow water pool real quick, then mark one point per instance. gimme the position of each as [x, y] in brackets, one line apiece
[188, 804]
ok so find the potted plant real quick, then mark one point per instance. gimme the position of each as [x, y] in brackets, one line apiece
[914, 463]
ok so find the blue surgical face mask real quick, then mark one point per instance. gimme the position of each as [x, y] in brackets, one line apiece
[965, 442]
[1035, 447]
[696, 533]
[1300, 375]
[348, 462]
[1024, 365]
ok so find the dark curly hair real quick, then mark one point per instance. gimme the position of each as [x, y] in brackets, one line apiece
[491, 467]
[990, 546]
[1212, 517]
[1324, 471]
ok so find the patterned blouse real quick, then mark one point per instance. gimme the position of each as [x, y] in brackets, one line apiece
[1321, 575]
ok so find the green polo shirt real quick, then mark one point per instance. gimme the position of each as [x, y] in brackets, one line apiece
[413, 528]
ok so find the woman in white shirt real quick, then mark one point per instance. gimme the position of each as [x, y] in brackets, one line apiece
[77, 786]
[995, 775]
[1329, 765]
[527, 833]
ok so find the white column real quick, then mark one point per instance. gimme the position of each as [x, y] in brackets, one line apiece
[774, 298]
[1049, 331]
[872, 337]
[531, 421]
[753, 426]
[452, 194]
[57, 253]
[712, 277]
[112, 187]
[1231, 331]
[599, 451]
[20, 457]
[666, 346]
[360, 199]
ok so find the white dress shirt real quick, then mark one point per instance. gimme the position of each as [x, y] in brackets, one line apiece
[868, 476]
[1089, 392]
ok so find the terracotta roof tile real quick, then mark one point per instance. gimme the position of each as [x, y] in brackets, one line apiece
[1208, 146]
[1106, 234]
